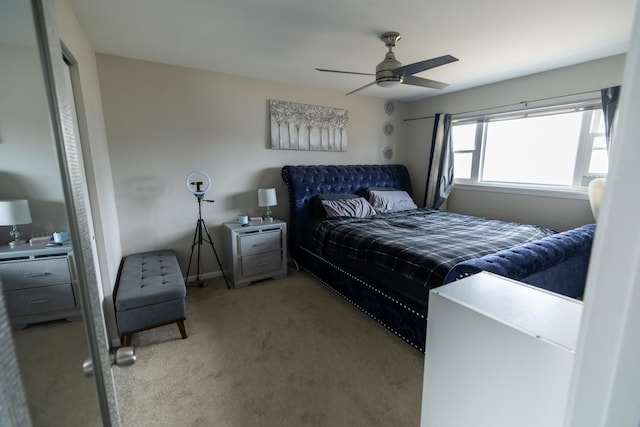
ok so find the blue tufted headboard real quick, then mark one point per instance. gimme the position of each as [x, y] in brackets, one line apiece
[305, 182]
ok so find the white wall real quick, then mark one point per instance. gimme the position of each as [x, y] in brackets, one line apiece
[557, 213]
[164, 121]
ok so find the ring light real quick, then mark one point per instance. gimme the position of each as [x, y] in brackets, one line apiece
[197, 178]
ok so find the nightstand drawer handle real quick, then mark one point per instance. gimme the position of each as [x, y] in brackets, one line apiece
[263, 263]
[36, 274]
[39, 301]
[255, 245]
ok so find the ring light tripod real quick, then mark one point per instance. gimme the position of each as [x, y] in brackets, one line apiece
[196, 178]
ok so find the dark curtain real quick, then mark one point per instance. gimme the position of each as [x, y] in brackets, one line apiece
[440, 171]
[610, 96]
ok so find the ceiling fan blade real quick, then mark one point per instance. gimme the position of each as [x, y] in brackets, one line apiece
[344, 72]
[418, 67]
[363, 87]
[419, 81]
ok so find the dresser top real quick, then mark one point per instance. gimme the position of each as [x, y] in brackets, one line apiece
[28, 251]
[546, 315]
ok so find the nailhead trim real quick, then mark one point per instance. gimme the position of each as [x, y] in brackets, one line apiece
[370, 287]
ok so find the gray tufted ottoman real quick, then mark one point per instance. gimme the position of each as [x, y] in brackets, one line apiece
[150, 292]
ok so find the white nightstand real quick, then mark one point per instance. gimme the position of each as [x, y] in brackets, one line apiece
[38, 285]
[255, 251]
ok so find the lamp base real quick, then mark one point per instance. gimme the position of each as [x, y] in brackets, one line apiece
[14, 243]
[268, 217]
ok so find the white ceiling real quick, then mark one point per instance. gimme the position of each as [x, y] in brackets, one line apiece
[285, 40]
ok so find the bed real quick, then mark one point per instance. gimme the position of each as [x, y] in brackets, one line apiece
[383, 264]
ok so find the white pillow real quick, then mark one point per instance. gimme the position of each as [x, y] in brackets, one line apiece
[358, 207]
[391, 201]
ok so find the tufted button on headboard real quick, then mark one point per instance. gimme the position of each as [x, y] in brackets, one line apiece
[306, 182]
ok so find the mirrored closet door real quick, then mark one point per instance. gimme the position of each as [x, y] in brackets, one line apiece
[45, 284]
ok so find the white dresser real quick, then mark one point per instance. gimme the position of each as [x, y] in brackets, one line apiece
[499, 353]
[38, 285]
[255, 251]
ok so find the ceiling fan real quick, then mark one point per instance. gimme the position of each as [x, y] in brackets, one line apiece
[391, 72]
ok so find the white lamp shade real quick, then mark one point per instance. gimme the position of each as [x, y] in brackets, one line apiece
[595, 190]
[267, 197]
[14, 212]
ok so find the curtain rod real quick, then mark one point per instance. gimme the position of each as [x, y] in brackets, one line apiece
[507, 105]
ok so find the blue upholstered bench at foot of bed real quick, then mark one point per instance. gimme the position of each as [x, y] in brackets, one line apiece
[557, 263]
[150, 292]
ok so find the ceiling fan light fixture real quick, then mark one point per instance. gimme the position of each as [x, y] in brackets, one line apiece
[387, 78]
[389, 81]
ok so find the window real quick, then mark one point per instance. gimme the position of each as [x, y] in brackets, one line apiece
[559, 148]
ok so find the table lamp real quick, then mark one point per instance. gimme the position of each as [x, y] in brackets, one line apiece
[14, 213]
[267, 197]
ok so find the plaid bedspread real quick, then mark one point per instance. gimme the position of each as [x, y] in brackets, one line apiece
[421, 244]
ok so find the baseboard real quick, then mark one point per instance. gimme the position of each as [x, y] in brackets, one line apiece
[204, 276]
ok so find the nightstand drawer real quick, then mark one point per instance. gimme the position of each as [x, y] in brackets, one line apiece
[34, 273]
[39, 300]
[255, 243]
[261, 263]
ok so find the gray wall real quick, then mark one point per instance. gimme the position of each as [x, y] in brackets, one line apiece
[554, 212]
[95, 153]
[28, 161]
[164, 121]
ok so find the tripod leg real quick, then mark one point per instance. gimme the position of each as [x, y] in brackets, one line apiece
[197, 240]
[200, 222]
[226, 281]
[193, 245]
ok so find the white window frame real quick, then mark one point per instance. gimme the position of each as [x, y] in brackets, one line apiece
[581, 177]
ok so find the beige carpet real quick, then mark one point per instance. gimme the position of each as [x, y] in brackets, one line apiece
[50, 357]
[277, 353]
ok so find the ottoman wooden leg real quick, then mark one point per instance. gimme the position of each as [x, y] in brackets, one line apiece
[125, 340]
[183, 332]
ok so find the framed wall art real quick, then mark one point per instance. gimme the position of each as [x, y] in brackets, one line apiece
[307, 127]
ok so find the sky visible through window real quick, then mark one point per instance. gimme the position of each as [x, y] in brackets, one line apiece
[540, 150]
